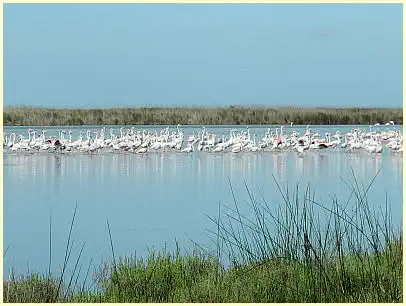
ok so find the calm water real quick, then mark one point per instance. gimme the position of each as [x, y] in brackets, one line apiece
[152, 200]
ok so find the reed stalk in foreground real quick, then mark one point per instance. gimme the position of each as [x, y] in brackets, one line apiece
[297, 251]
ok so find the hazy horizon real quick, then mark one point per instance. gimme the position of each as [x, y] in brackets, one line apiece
[203, 55]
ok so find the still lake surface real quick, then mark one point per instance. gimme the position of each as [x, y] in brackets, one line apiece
[150, 201]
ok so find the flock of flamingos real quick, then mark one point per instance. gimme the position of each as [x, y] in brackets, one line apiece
[142, 141]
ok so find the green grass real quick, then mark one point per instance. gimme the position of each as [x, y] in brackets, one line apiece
[233, 115]
[296, 251]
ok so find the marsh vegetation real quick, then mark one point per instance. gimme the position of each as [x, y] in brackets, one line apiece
[233, 115]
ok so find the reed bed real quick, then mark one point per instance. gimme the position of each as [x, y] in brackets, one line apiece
[297, 251]
[233, 115]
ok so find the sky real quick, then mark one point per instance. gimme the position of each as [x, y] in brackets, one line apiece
[137, 55]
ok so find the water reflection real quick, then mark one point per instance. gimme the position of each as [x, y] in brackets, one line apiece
[54, 168]
[172, 192]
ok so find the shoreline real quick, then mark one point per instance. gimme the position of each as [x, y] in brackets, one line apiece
[231, 115]
[127, 280]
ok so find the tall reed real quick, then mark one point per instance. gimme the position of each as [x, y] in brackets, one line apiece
[329, 253]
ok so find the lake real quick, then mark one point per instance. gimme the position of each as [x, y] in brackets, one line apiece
[152, 200]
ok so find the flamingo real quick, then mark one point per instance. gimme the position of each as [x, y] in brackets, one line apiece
[142, 150]
[237, 149]
[220, 147]
[188, 149]
[301, 147]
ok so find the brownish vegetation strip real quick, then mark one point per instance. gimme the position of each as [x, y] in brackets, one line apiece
[233, 115]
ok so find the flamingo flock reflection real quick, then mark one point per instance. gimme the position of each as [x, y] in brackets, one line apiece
[236, 141]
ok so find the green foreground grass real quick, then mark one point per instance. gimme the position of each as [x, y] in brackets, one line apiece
[175, 278]
[279, 255]
[233, 115]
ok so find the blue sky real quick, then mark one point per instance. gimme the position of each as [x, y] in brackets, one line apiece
[102, 55]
